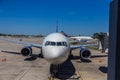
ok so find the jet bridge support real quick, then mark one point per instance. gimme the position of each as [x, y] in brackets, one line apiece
[103, 42]
[114, 46]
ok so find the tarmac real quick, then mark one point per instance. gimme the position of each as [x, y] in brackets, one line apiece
[16, 67]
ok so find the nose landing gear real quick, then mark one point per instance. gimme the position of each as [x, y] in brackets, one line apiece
[51, 77]
[54, 71]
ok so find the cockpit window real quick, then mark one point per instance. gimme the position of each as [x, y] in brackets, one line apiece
[51, 43]
[59, 43]
[47, 43]
[64, 43]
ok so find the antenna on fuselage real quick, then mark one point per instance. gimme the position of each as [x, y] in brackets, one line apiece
[57, 26]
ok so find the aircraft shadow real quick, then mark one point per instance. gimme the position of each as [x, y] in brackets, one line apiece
[75, 57]
[40, 55]
[11, 52]
[66, 70]
[34, 57]
[103, 69]
[97, 56]
[31, 58]
[80, 60]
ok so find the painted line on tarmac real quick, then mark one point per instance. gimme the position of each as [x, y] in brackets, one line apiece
[78, 73]
[23, 74]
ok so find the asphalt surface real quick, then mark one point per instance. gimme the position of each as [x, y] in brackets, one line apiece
[16, 67]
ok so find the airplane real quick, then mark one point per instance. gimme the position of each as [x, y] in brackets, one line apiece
[82, 38]
[55, 49]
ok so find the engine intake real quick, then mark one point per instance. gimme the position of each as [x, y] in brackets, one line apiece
[26, 51]
[85, 53]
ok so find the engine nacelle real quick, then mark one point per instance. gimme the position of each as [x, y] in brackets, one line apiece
[26, 51]
[85, 53]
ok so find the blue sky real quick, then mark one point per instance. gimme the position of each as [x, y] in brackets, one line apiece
[39, 16]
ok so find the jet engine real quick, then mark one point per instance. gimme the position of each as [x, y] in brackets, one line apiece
[85, 54]
[26, 51]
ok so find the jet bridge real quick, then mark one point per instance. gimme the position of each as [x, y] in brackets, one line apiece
[103, 42]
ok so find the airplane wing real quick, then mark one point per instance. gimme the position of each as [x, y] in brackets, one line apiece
[80, 46]
[21, 42]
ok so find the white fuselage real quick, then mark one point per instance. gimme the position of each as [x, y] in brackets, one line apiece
[82, 38]
[55, 48]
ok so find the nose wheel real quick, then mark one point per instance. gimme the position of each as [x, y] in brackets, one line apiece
[51, 77]
[54, 71]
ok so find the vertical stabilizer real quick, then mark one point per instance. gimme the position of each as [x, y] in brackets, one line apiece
[57, 26]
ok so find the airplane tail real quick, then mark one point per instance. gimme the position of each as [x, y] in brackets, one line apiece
[57, 26]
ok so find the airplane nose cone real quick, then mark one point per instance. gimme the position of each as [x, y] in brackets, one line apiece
[55, 55]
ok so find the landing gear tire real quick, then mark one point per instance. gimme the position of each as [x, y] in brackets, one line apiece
[51, 77]
[81, 59]
[54, 70]
[71, 56]
[40, 54]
